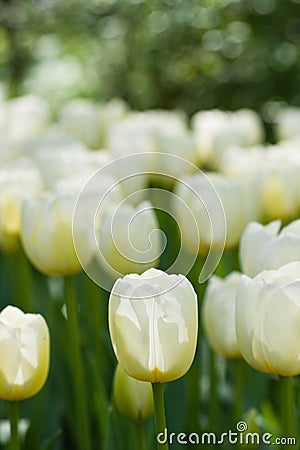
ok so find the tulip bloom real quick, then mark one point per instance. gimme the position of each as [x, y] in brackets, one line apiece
[287, 123]
[217, 130]
[153, 323]
[267, 320]
[24, 354]
[46, 234]
[218, 314]
[222, 206]
[129, 239]
[133, 398]
[262, 247]
[18, 181]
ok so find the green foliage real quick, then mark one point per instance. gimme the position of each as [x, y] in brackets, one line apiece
[155, 54]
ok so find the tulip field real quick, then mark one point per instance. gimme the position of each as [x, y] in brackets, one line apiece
[149, 224]
[149, 287]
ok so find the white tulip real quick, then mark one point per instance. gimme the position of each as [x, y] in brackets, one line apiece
[153, 323]
[129, 239]
[267, 320]
[46, 234]
[153, 133]
[27, 117]
[265, 247]
[19, 181]
[287, 123]
[210, 199]
[24, 354]
[218, 314]
[217, 130]
[132, 398]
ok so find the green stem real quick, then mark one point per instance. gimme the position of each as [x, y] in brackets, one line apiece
[139, 435]
[159, 413]
[213, 397]
[98, 357]
[81, 411]
[288, 407]
[238, 394]
[20, 276]
[95, 308]
[196, 374]
[14, 419]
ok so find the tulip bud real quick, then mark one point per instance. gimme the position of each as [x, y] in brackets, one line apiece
[133, 398]
[28, 116]
[210, 198]
[18, 181]
[218, 313]
[81, 119]
[129, 239]
[264, 247]
[153, 323]
[217, 130]
[24, 354]
[279, 193]
[267, 320]
[46, 234]
[287, 123]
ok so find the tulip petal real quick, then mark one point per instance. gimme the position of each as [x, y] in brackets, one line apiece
[281, 330]
[249, 254]
[153, 325]
[10, 357]
[280, 251]
[247, 308]
[11, 315]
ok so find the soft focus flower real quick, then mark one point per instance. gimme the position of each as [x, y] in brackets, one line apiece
[210, 199]
[217, 130]
[153, 323]
[274, 169]
[5, 434]
[64, 159]
[287, 123]
[129, 239]
[81, 118]
[264, 247]
[218, 314]
[27, 117]
[280, 192]
[153, 133]
[267, 320]
[133, 398]
[242, 161]
[46, 234]
[279, 183]
[18, 181]
[24, 354]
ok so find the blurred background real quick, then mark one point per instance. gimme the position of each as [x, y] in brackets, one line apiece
[190, 55]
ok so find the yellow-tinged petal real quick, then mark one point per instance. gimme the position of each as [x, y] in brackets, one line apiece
[153, 323]
[24, 354]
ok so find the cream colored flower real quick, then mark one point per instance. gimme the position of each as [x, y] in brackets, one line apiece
[218, 314]
[46, 234]
[266, 247]
[24, 354]
[153, 323]
[267, 320]
[133, 398]
[128, 239]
